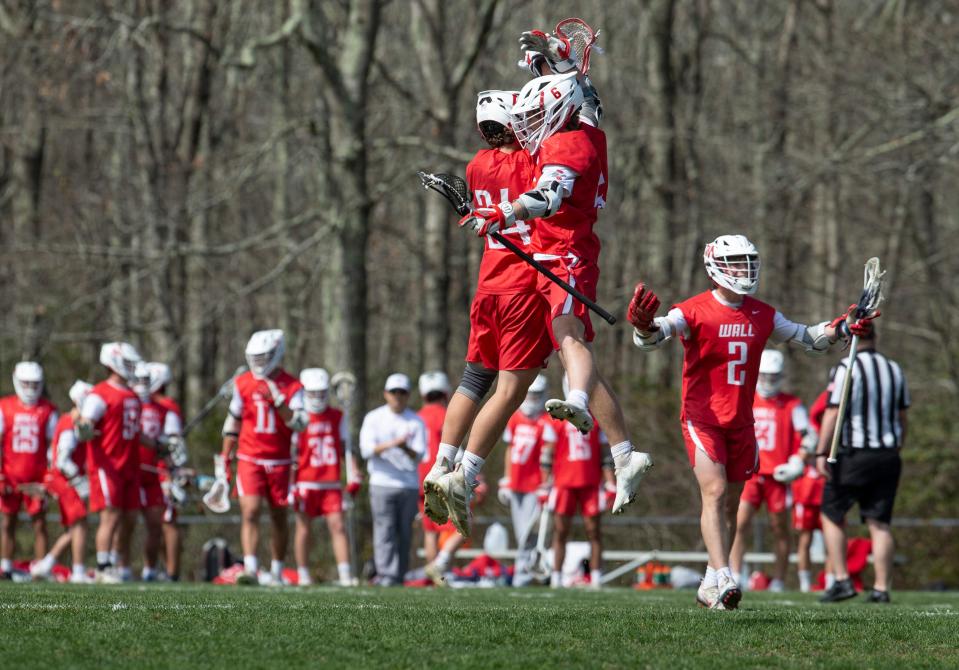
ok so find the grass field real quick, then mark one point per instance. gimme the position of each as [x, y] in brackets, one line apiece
[52, 626]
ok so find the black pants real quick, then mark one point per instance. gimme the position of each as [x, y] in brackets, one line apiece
[866, 476]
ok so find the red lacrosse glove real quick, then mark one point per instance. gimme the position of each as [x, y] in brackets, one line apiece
[542, 494]
[863, 327]
[227, 465]
[642, 308]
[479, 493]
[487, 220]
[840, 323]
[353, 487]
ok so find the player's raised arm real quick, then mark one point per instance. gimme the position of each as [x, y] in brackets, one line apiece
[651, 331]
[817, 339]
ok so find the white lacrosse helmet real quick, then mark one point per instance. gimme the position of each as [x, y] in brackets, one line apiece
[771, 366]
[544, 106]
[732, 261]
[264, 351]
[495, 106]
[159, 376]
[141, 381]
[121, 358]
[79, 392]
[532, 406]
[434, 382]
[28, 382]
[316, 389]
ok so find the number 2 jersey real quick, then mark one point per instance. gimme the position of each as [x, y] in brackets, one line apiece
[263, 434]
[27, 433]
[495, 176]
[321, 447]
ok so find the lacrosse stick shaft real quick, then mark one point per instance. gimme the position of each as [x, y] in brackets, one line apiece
[542, 269]
[199, 416]
[843, 400]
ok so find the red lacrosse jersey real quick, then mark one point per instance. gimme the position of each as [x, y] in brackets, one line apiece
[152, 419]
[577, 460]
[262, 433]
[494, 177]
[118, 441]
[819, 408]
[27, 430]
[321, 448]
[570, 230]
[79, 455]
[721, 365]
[169, 403]
[807, 490]
[775, 434]
[433, 416]
[526, 438]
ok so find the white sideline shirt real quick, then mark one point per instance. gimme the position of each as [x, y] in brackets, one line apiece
[393, 468]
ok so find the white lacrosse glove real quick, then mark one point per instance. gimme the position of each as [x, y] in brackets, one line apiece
[176, 450]
[67, 467]
[82, 486]
[810, 441]
[790, 470]
[555, 50]
[502, 492]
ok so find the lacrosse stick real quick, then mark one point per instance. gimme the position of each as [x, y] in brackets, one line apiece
[344, 388]
[32, 489]
[537, 560]
[454, 189]
[868, 303]
[223, 393]
[581, 39]
[217, 498]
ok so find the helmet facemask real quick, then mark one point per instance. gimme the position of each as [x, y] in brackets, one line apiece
[496, 134]
[316, 402]
[732, 262]
[545, 106]
[769, 385]
[28, 382]
[141, 382]
[264, 352]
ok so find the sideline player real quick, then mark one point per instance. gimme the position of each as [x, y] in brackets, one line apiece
[66, 481]
[265, 411]
[27, 425]
[528, 434]
[782, 427]
[160, 379]
[807, 500]
[323, 453]
[110, 423]
[724, 331]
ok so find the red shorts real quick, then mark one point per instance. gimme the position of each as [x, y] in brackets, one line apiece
[111, 488]
[151, 492]
[12, 502]
[583, 277]
[72, 507]
[318, 502]
[506, 331]
[430, 526]
[806, 517]
[808, 488]
[566, 501]
[733, 447]
[268, 479]
[763, 488]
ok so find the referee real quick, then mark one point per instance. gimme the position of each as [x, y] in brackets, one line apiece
[868, 467]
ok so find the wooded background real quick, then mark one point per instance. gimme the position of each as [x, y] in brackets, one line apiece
[180, 174]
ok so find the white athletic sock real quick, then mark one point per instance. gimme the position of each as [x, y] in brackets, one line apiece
[596, 578]
[147, 573]
[448, 452]
[556, 579]
[724, 572]
[113, 558]
[805, 581]
[442, 560]
[251, 564]
[126, 573]
[472, 466]
[622, 453]
[6, 565]
[276, 568]
[710, 578]
[79, 571]
[303, 575]
[343, 569]
[578, 398]
[830, 580]
[103, 558]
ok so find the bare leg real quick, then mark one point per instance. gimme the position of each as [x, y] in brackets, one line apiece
[250, 524]
[109, 523]
[488, 427]
[153, 528]
[594, 535]
[804, 563]
[128, 522]
[712, 487]
[9, 538]
[40, 539]
[78, 541]
[62, 543]
[835, 537]
[561, 526]
[341, 545]
[430, 545]
[575, 354]
[780, 527]
[280, 532]
[453, 543]
[460, 414]
[605, 406]
[302, 541]
[883, 547]
[738, 549]
[173, 543]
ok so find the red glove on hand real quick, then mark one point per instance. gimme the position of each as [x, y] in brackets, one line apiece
[642, 308]
[227, 463]
[542, 494]
[863, 327]
[845, 327]
[487, 220]
[353, 487]
[609, 496]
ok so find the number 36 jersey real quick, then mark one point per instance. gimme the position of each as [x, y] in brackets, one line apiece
[321, 446]
[721, 365]
[263, 434]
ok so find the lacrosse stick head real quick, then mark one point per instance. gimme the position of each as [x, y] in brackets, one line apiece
[872, 295]
[451, 187]
[227, 388]
[344, 387]
[581, 39]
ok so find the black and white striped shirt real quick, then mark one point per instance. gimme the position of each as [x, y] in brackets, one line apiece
[878, 394]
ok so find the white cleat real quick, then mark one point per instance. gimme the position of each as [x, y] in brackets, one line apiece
[41, 569]
[576, 415]
[628, 478]
[433, 505]
[435, 574]
[455, 495]
[80, 579]
[729, 592]
[106, 577]
[776, 586]
[708, 597]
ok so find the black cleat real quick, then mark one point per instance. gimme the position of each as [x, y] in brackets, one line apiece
[878, 597]
[841, 590]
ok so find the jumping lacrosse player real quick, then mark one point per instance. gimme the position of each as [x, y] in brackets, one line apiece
[528, 434]
[323, 454]
[27, 425]
[724, 331]
[67, 483]
[782, 431]
[265, 410]
[110, 422]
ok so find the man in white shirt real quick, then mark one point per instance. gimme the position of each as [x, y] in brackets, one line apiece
[393, 442]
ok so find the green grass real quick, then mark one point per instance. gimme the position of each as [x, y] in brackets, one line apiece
[44, 625]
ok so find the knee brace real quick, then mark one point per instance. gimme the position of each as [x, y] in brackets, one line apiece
[476, 382]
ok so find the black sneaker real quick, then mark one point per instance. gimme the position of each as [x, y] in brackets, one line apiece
[841, 590]
[878, 597]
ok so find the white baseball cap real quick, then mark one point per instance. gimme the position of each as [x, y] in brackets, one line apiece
[397, 382]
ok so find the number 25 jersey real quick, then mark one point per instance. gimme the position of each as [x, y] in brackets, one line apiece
[721, 365]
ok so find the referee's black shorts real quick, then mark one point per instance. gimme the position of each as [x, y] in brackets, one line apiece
[869, 477]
